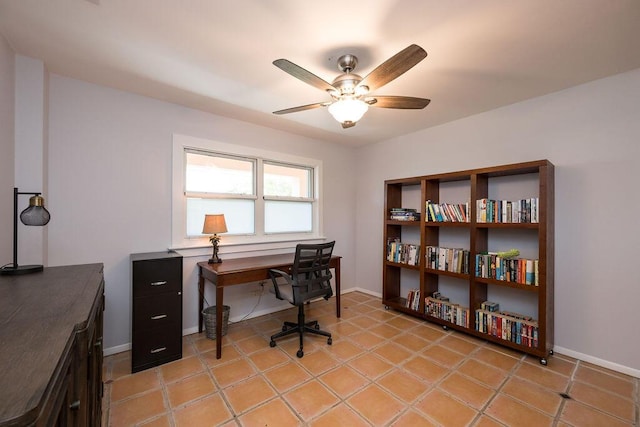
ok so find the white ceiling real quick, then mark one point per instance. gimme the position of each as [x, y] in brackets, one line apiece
[217, 55]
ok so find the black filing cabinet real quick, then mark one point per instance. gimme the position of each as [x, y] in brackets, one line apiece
[156, 336]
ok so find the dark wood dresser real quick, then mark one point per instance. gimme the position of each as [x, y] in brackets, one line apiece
[156, 283]
[51, 347]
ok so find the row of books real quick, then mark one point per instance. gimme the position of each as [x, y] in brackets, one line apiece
[404, 253]
[519, 270]
[413, 299]
[455, 260]
[404, 214]
[448, 212]
[439, 306]
[513, 327]
[505, 211]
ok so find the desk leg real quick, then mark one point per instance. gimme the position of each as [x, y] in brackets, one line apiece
[338, 289]
[219, 310]
[200, 298]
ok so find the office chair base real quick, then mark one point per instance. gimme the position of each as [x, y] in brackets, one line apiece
[300, 328]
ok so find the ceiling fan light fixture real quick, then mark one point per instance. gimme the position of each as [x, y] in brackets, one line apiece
[348, 110]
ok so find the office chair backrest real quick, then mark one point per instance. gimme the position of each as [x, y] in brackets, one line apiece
[310, 271]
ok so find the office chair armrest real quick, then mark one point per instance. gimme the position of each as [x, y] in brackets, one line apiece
[274, 274]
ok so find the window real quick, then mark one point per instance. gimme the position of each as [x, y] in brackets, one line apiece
[265, 196]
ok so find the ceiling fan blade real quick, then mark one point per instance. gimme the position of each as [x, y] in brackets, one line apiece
[394, 67]
[401, 102]
[302, 74]
[346, 125]
[302, 108]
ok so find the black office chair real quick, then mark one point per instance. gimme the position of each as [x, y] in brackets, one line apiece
[310, 278]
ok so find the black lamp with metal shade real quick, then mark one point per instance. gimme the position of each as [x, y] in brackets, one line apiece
[214, 224]
[35, 215]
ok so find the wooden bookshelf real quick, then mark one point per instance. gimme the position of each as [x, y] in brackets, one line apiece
[527, 181]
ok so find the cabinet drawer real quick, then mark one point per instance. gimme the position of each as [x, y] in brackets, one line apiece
[157, 311]
[157, 276]
[152, 347]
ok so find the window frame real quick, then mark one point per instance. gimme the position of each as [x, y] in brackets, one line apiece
[259, 240]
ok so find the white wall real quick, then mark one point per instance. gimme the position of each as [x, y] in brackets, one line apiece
[591, 133]
[110, 188]
[7, 101]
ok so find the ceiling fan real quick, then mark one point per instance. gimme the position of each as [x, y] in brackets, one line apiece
[350, 93]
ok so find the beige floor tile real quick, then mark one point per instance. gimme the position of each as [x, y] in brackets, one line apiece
[576, 414]
[443, 355]
[384, 330]
[133, 384]
[412, 419]
[487, 374]
[209, 411]
[411, 342]
[485, 421]
[180, 369]
[376, 405]
[370, 365]
[269, 358]
[203, 344]
[286, 377]
[366, 339]
[229, 353]
[461, 344]
[404, 322]
[466, 390]
[339, 415]
[393, 353]
[425, 369]
[252, 344]
[344, 350]
[606, 401]
[137, 409]
[445, 410]
[496, 359]
[318, 362]
[247, 394]
[429, 332]
[534, 395]
[161, 421]
[190, 388]
[273, 413]
[119, 369]
[618, 384]
[232, 372]
[556, 363]
[406, 387]
[512, 412]
[545, 377]
[344, 381]
[311, 399]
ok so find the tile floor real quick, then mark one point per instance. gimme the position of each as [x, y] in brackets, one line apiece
[383, 369]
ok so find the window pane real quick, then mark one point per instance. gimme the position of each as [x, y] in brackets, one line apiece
[287, 181]
[217, 174]
[238, 214]
[287, 217]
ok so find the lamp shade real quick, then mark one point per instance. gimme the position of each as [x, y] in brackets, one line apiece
[348, 110]
[36, 214]
[214, 224]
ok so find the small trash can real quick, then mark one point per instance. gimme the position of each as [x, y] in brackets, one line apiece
[209, 315]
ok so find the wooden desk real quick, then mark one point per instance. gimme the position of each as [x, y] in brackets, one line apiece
[245, 270]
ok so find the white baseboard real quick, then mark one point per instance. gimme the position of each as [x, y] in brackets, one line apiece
[599, 362]
[565, 351]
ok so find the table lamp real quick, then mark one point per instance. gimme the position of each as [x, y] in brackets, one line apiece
[214, 224]
[35, 215]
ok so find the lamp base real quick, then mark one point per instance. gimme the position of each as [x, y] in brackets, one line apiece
[21, 269]
[215, 261]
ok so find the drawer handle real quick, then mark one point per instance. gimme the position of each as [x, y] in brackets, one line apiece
[75, 405]
[163, 282]
[158, 350]
[158, 317]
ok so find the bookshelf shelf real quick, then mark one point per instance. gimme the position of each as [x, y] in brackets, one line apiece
[521, 196]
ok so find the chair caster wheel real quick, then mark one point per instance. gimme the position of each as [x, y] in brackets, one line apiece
[300, 353]
[329, 341]
[272, 343]
[316, 327]
[543, 361]
[284, 329]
